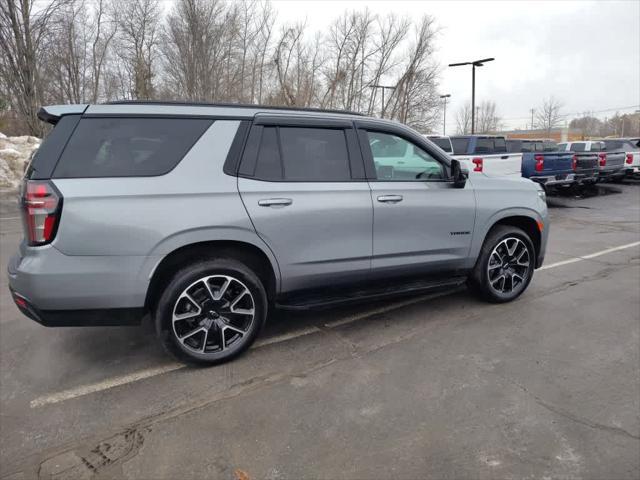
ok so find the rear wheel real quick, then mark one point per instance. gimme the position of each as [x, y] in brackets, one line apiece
[505, 266]
[211, 311]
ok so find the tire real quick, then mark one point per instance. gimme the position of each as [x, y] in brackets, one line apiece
[211, 311]
[485, 278]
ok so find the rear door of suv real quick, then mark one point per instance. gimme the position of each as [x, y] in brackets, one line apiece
[302, 182]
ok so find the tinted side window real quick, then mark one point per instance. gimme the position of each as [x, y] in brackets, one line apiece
[460, 145]
[577, 147]
[128, 147]
[45, 158]
[269, 166]
[314, 154]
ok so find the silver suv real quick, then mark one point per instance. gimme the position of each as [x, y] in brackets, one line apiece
[207, 216]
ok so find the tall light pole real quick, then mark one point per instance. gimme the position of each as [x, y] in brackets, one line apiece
[444, 122]
[474, 64]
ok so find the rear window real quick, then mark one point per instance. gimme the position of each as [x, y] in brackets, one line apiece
[597, 147]
[460, 145]
[577, 147]
[614, 145]
[515, 146]
[550, 147]
[443, 143]
[128, 147]
[484, 145]
[499, 145]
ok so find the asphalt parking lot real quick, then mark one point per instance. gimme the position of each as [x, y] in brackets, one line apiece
[445, 387]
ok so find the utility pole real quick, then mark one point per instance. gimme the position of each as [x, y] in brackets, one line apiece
[444, 122]
[533, 110]
[383, 87]
[474, 64]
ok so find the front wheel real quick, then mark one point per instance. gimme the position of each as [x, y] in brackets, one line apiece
[505, 266]
[211, 311]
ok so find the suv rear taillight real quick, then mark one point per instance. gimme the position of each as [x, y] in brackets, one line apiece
[603, 159]
[574, 163]
[41, 208]
[629, 158]
[478, 162]
[539, 163]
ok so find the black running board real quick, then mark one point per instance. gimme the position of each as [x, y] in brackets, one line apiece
[321, 299]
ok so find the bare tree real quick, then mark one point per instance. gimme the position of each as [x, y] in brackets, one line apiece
[488, 120]
[392, 31]
[463, 119]
[548, 114]
[213, 50]
[415, 100]
[587, 124]
[138, 36]
[22, 32]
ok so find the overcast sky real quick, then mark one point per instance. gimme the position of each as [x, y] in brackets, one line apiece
[587, 54]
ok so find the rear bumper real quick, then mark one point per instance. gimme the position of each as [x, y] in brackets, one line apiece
[561, 180]
[614, 172]
[78, 318]
[59, 290]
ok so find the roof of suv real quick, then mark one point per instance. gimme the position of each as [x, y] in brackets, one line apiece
[52, 113]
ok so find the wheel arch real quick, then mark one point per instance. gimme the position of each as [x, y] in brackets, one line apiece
[524, 222]
[248, 253]
[525, 219]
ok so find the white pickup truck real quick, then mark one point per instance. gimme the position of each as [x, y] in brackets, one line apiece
[486, 154]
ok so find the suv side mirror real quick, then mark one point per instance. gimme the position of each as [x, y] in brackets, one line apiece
[459, 174]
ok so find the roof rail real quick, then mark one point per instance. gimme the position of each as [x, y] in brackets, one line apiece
[232, 105]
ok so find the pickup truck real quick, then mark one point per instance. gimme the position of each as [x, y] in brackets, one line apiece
[543, 163]
[486, 154]
[610, 164]
[631, 147]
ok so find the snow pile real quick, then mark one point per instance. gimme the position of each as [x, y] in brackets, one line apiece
[14, 155]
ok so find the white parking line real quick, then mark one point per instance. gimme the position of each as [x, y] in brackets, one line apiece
[152, 372]
[591, 255]
[9, 218]
[104, 385]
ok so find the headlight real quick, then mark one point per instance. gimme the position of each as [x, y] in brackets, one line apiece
[543, 195]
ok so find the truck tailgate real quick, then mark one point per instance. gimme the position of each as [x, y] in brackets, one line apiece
[495, 165]
[557, 162]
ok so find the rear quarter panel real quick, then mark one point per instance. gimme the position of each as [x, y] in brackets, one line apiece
[145, 218]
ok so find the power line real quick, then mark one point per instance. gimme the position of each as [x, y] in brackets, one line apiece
[581, 112]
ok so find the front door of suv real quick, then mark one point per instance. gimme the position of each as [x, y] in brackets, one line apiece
[302, 182]
[422, 223]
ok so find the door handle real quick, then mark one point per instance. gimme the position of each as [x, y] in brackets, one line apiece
[504, 157]
[275, 202]
[390, 198]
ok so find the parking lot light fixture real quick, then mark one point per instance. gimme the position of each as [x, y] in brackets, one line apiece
[474, 64]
